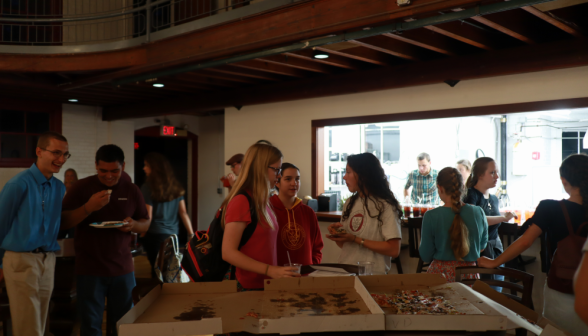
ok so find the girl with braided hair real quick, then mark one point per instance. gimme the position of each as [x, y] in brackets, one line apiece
[550, 218]
[371, 216]
[454, 234]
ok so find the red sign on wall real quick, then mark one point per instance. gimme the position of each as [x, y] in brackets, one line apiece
[168, 130]
[536, 155]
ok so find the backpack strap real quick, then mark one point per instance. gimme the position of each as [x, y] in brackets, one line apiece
[567, 218]
[249, 229]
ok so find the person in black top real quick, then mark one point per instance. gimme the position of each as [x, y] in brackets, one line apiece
[484, 177]
[550, 218]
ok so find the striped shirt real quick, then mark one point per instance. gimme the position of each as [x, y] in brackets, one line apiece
[424, 187]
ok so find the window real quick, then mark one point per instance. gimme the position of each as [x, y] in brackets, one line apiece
[21, 123]
[19, 132]
[572, 143]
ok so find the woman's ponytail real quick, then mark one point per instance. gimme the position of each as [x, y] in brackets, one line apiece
[452, 182]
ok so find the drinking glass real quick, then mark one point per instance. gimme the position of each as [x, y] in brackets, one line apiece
[294, 265]
[365, 267]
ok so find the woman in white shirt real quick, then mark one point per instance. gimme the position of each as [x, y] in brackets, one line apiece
[371, 216]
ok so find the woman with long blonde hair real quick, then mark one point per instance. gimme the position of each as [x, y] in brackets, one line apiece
[256, 260]
[452, 235]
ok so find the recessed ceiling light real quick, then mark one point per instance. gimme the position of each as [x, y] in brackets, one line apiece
[159, 85]
[72, 100]
[320, 54]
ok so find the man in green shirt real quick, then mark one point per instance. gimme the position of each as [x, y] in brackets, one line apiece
[423, 182]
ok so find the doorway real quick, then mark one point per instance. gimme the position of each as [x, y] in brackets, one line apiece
[182, 154]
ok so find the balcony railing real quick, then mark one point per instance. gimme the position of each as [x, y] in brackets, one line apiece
[86, 22]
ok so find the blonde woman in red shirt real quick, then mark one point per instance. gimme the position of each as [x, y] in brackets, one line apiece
[257, 259]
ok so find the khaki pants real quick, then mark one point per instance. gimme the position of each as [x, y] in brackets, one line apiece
[29, 284]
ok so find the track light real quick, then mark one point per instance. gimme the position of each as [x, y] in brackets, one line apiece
[320, 54]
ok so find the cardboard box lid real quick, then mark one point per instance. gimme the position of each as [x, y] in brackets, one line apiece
[128, 324]
[403, 281]
[509, 308]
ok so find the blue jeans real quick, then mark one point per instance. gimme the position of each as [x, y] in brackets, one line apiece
[91, 292]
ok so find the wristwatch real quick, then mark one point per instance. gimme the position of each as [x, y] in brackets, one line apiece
[362, 241]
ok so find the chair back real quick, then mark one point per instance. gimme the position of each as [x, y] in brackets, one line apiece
[414, 236]
[526, 280]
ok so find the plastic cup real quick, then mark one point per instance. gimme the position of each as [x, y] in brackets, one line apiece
[406, 211]
[294, 265]
[365, 267]
[416, 211]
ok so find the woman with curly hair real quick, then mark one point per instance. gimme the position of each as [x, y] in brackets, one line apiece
[452, 235]
[371, 216]
[557, 219]
[164, 198]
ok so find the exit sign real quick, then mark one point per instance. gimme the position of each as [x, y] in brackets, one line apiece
[168, 130]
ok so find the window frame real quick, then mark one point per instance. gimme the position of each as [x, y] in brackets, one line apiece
[318, 125]
[55, 124]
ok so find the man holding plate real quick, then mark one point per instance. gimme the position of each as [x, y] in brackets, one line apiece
[104, 264]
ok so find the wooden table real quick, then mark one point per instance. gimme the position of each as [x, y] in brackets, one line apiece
[329, 216]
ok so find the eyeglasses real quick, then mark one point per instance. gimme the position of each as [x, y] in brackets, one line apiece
[234, 165]
[58, 154]
[276, 170]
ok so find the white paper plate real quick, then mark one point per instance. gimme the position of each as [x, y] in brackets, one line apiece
[108, 225]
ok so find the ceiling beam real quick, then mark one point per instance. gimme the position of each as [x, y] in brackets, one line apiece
[502, 29]
[225, 77]
[192, 78]
[299, 22]
[394, 47]
[333, 60]
[248, 73]
[365, 55]
[549, 19]
[528, 58]
[432, 41]
[466, 34]
[299, 63]
[277, 69]
[112, 60]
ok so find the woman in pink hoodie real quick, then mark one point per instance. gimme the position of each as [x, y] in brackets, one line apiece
[299, 233]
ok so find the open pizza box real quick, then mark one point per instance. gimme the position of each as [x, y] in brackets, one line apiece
[481, 314]
[514, 311]
[286, 306]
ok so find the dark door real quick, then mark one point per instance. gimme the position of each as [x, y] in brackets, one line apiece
[176, 151]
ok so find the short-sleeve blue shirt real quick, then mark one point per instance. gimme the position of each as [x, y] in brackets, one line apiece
[30, 212]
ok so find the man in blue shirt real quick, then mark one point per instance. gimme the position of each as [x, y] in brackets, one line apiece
[30, 216]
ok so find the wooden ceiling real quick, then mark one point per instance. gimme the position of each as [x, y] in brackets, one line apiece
[526, 39]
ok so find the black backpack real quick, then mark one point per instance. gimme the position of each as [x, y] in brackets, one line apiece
[203, 259]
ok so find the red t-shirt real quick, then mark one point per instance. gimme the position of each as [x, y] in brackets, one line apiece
[105, 252]
[299, 234]
[262, 244]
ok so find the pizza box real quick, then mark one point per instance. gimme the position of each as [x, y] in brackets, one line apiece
[325, 304]
[480, 316]
[514, 310]
[143, 318]
[286, 306]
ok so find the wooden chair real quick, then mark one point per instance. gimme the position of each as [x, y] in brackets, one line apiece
[414, 241]
[508, 233]
[525, 288]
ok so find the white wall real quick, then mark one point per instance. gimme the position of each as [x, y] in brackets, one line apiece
[86, 132]
[288, 124]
